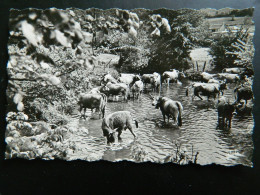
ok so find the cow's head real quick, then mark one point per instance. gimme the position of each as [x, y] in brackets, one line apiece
[104, 89]
[108, 132]
[181, 75]
[222, 86]
[157, 101]
[137, 78]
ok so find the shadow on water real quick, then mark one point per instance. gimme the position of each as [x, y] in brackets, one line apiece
[156, 139]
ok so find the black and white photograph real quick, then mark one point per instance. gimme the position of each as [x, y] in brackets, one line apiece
[161, 86]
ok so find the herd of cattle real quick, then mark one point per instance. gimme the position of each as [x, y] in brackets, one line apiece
[210, 85]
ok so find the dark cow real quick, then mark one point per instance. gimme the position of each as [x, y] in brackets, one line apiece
[169, 108]
[244, 93]
[93, 101]
[207, 89]
[226, 110]
[247, 72]
[117, 121]
[153, 79]
[115, 89]
[173, 75]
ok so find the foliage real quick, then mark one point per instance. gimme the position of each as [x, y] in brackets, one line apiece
[172, 49]
[33, 140]
[244, 52]
[180, 156]
[226, 52]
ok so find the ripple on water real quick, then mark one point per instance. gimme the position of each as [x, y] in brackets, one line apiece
[157, 139]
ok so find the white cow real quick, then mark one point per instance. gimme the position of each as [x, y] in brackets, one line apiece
[229, 78]
[173, 75]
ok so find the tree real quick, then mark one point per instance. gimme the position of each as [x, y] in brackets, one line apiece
[171, 50]
[43, 53]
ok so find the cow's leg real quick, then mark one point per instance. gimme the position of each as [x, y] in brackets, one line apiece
[199, 97]
[163, 117]
[119, 134]
[131, 130]
[229, 122]
[168, 81]
[103, 112]
[218, 120]
[80, 109]
[84, 113]
[168, 116]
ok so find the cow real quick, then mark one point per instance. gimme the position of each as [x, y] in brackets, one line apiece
[157, 81]
[95, 90]
[213, 81]
[229, 78]
[243, 92]
[115, 89]
[93, 101]
[235, 70]
[147, 79]
[226, 110]
[128, 79]
[207, 89]
[137, 89]
[169, 108]
[205, 77]
[248, 72]
[153, 79]
[108, 78]
[173, 75]
[117, 122]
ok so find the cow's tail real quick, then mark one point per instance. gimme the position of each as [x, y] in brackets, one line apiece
[179, 115]
[187, 91]
[136, 123]
[235, 94]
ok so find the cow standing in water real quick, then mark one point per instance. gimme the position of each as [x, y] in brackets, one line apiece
[117, 122]
[173, 75]
[153, 79]
[128, 79]
[137, 89]
[207, 89]
[93, 101]
[115, 90]
[226, 110]
[244, 93]
[169, 108]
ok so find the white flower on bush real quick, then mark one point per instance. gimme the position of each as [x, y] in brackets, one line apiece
[21, 116]
[10, 116]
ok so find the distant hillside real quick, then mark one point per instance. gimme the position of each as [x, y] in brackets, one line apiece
[225, 12]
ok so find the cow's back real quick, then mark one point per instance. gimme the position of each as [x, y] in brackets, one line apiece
[119, 119]
[90, 100]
